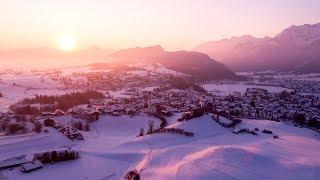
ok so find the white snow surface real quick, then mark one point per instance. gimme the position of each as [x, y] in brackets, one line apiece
[111, 149]
[15, 87]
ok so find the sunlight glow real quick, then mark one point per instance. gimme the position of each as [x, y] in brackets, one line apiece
[67, 43]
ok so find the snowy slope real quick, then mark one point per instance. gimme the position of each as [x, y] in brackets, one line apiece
[25, 85]
[111, 149]
[215, 152]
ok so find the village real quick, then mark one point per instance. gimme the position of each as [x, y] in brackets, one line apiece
[146, 93]
[161, 95]
[180, 94]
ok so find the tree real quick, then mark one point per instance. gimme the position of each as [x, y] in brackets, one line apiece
[13, 128]
[77, 125]
[141, 133]
[252, 103]
[150, 127]
[132, 175]
[49, 122]
[46, 158]
[65, 101]
[284, 95]
[299, 118]
[54, 156]
[313, 122]
[87, 127]
[66, 155]
[37, 126]
[26, 110]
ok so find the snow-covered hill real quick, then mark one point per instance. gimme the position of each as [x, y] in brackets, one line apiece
[112, 148]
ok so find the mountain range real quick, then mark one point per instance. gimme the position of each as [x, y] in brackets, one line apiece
[198, 65]
[296, 49]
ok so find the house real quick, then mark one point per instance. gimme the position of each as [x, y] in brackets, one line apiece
[58, 112]
[31, 166]
[236, 94]
[46, 113]
[15, 161]
[93, 115]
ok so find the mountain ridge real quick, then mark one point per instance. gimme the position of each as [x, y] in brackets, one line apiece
[200, 66]
[287, 51]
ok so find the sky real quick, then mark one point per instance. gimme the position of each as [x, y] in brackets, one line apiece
[173, 24]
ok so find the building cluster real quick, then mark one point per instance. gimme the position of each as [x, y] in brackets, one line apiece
[301, 85]
[67, 130]
[172, 95]
[258, 103]
[140, 92]
[32, 162]
[116, 80]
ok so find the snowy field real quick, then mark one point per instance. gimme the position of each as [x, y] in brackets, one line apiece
[111, 149]
[15, 87]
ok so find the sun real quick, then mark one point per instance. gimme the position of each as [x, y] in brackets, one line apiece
[67, 43]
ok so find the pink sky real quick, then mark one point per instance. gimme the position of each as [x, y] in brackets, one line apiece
[174, 24]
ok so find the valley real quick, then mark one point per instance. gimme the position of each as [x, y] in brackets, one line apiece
[185, 142]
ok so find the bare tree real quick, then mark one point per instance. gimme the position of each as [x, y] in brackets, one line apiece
[141, 133]
[150, 127]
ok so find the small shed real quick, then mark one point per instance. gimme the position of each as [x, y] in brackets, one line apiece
[31, 166]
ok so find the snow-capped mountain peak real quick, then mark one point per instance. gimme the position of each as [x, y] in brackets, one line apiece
[290, 50]
[300, 35]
